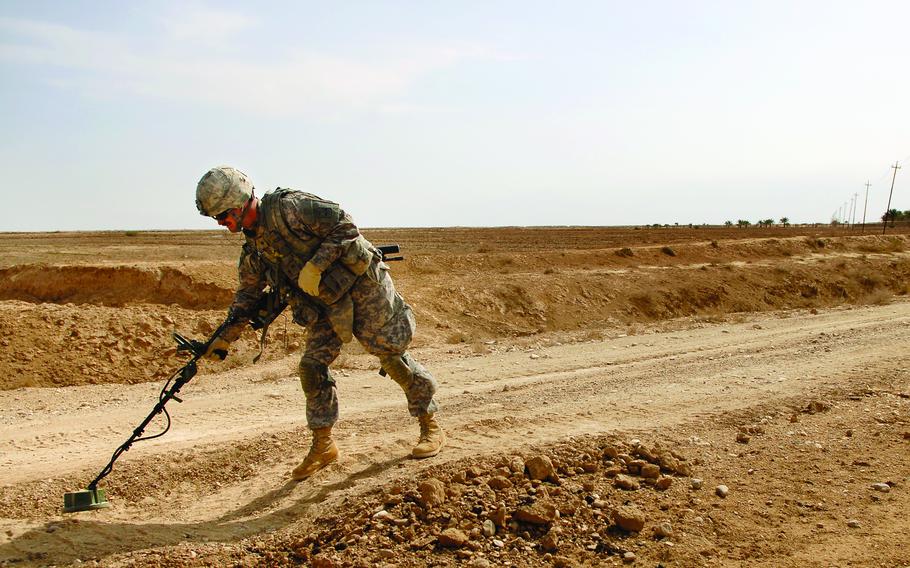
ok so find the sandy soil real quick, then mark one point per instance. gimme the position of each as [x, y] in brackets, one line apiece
[773, 362]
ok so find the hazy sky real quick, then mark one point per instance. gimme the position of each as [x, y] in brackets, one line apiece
[454, 113]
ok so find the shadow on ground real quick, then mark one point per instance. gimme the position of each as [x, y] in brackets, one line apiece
[74, 538]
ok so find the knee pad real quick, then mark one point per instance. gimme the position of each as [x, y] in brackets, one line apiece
[397, 368]
[403, 368]
[314, 376]
[418, 384]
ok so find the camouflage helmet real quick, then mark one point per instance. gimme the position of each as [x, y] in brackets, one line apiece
[222, 188]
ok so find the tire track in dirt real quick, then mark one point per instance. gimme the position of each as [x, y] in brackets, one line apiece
[208, 413]
[222, 475]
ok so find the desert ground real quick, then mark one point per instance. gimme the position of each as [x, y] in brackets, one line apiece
[611, 396]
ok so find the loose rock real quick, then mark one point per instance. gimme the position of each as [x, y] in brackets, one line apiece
[550, 542]
[663, 530]
[499, 482]
[323, 562]
[540, 513]
[629, 518]
[541, 468]
[816, 406]
[499, 517]
[452, 538]
[649, 470]
[671, 464]
[432, 492]
[383, 515]
[626, 482]
[610, 452]
[635, 466]
[722, 491]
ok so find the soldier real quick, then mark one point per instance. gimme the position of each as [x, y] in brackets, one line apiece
[337, 287]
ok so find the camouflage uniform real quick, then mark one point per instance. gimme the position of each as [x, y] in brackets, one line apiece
[356, 297]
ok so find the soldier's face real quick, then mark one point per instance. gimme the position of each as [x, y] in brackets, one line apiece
[230, 219]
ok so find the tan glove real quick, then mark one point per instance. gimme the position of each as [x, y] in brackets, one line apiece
[220, 345]
[309, 278]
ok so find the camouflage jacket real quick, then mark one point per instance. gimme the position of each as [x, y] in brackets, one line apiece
[293, 228]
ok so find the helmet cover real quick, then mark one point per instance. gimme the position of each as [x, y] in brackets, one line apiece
[222, 188]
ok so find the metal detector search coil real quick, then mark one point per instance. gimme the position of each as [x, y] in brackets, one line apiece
[85, 500]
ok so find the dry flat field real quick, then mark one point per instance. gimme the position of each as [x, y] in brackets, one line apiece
[598, 387]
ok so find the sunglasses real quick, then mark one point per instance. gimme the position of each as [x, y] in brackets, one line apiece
[223, 215]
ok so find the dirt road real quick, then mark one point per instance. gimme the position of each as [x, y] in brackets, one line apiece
[220, 474]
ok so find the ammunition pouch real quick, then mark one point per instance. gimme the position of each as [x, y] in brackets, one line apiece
[336, 281]
[359, 254]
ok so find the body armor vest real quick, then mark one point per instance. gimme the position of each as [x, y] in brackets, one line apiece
[286, 251]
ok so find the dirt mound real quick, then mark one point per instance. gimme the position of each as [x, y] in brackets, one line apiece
[48, 345]
[109, 286]
[525, 303]
[99, 323]
[583, 495]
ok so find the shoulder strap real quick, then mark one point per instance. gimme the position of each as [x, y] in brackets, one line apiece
[274, 218]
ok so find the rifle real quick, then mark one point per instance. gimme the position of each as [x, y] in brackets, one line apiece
[387, 250]
[94, 498]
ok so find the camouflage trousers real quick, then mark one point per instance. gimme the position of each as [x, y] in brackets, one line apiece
[384, 324]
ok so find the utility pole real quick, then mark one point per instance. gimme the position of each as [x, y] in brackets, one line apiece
[853, 212]
[896, 167]
[865, 204]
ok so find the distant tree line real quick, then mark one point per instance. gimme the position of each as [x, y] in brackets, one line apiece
[784, 221]
[889, 217]
[894, 215]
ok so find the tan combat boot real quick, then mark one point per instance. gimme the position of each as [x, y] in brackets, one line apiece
[322, 453]
[431, 438]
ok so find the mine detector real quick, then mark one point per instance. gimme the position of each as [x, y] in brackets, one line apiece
[269, 307]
